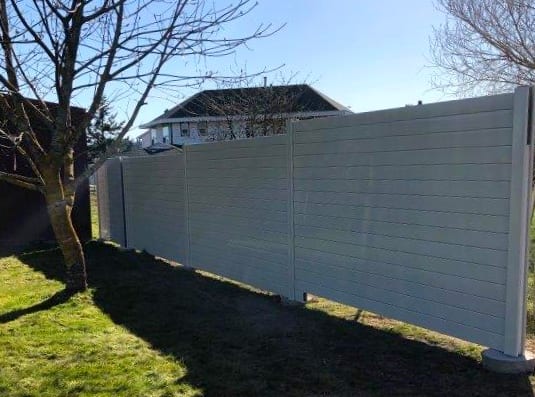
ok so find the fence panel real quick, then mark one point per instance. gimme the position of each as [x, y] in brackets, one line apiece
[110, 202]
[155, 205]
[406, 213]
[417, 213]
[238, 210]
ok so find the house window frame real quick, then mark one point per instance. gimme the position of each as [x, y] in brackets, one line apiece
[152, 136]
[184, 129]
[202, 127]
[167, 133]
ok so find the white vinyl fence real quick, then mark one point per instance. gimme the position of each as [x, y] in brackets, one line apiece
[109, 180]
[418, 213]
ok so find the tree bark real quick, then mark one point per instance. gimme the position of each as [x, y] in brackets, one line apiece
[59, 210]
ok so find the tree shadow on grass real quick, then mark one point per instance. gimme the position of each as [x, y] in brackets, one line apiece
[56, 299]
[236, 342]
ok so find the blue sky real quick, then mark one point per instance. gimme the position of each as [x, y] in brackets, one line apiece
[366, 55]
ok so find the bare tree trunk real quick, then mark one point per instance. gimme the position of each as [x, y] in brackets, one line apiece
[59, 210]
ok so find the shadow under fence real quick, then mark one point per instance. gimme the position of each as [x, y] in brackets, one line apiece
[235, 341]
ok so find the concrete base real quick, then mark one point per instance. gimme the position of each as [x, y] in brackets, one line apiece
[309, 298]
[284, 301]
[301, 300]
[497, 361]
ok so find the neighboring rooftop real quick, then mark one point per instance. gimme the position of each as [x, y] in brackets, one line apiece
[215, 103]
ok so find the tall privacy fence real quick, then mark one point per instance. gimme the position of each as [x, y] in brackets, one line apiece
[418, 213]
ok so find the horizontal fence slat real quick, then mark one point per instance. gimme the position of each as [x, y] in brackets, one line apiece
[146, 201]
[413, 272]
[491, 137]
[465, 172]
[224, 219]
[141, 223]
[431, 263]
[245, 162]
[238, 273]
[271, 263]
[278, 216]
[469, 205]
[401, 300]
[222, 248]
[241, 225]
[462, 331]
[488, 223]
[265, 241]
[240, 143]
[233, 153]
[258, 172]
[243, 183]
[408, 243]
[265, 269]
[203, 191]
[260, 204]
[435, 125]
[237, 233]
[471, 155]
[486, 189]
[464, 301]
[451, 108]
[426, 233]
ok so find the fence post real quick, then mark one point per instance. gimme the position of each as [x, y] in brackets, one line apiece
[186, 209]
[515, 300]
[98, 191]
[123, 199]
[291, 232]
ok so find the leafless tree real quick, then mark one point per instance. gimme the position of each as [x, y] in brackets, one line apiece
[485, 46]
[250, 110]
[64, 51]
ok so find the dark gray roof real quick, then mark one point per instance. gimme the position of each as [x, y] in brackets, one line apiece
[291, 99]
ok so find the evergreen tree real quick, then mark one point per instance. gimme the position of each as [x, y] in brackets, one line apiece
[103, 130]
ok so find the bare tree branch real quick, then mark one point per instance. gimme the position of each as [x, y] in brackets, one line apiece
[252, 110]
[485, 46]
[21, 181]
[55, 52]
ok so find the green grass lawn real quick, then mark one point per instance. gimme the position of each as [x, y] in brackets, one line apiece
[147, 328]
[531, 285]
[56, 345]
[94, 215]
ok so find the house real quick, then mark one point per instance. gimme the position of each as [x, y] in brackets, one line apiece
[238, 113]
[23, 214]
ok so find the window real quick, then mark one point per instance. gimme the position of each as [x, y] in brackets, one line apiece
[203, 128]
[184, 129]
[152, 136]
[166, 133]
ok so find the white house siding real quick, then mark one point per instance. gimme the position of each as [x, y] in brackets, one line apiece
[215, 126]
[145, 139]
[193, 136]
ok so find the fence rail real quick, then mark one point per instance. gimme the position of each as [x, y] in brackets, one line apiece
[418, 213]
